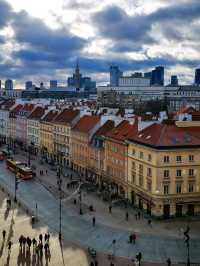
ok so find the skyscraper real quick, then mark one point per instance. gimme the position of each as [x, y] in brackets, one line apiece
[158, 76]
[8, 84]
[174, 80]
[197, 77]
[28, 85]
[53, 84]
[0, 84]
[115, 74]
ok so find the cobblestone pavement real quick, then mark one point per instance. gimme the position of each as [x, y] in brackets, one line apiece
[156, 243]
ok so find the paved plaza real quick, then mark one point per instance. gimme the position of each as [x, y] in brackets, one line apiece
[157, 243]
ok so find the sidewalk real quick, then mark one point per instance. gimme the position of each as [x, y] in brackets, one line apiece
[116, 219]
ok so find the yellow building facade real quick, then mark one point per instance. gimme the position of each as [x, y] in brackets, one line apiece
[164, 178]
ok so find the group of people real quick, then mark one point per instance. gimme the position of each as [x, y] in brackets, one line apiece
[38, 246]
[9, 243]
[42, 172]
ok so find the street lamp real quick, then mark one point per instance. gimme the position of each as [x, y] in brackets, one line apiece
[59, 182]
[187, 241]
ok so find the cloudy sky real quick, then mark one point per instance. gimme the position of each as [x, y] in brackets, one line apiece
[41, 39]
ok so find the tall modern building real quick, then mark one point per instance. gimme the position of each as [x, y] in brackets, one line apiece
[115, 74]
[53, 84]
[28, 85]
[79, 82]
[197, 77]
[8, 84]
[174, 80]
[0, 84]
[158, 76]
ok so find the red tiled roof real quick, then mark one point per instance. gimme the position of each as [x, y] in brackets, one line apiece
[107, 126]
[49, 117]
[28, 107]
[37, 113]
[66, 116]
[123, 131]
[16, 108]
[166, 135]
[86, 123]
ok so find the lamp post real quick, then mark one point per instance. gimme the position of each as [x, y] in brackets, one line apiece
[187, 241]
[59, 182]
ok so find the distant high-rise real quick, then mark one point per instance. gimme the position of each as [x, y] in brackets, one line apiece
[158, 76]
[79, 82]
[197, 77]
[174, 80]
[0, 84]
[28, 85]
[115, 74]
[53, 84]
[8, 84]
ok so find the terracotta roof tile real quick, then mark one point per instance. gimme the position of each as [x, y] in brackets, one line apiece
[49, 117]
[37, 113]
[107, 126]
[123, 131]
[86, 123]
[66, 116]
[168, 135]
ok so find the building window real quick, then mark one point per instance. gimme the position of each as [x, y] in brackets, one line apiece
[133, 177]
[166, 189]
[191, 172]
[141, 155]
[166, 159]
[178, 172]
[149, 186]
[133, 165]
[191, 158]
[149, 172]
[178, 187]
[166, 173]
[141, 180]
[140, 168]
[133, 151]
[149, 157]
[178, 159]
[191, 187]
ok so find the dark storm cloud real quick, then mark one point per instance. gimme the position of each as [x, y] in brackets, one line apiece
[114, 23]
[37, 34]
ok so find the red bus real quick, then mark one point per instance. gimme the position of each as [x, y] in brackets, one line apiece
[21, 170]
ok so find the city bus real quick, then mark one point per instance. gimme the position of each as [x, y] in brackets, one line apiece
[20, 169]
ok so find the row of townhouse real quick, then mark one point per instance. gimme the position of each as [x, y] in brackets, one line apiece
[156, 168]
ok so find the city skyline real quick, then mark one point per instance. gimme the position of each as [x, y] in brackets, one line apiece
[43, 44]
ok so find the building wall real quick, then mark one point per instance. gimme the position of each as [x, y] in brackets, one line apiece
[46, 138]
[149, 186]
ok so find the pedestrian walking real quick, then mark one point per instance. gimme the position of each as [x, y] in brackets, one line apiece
[9, 246]
[24, 241]
[46, 171]
[96, 263]
[46, 247]
[110, 208]
[48, 237]
[41, 249]
[136, 217]
[130, 238]
[40, 238]
[34, 242]
[21, 240]
[28, 240]
[45, 237]
[93, 221]
[169, 263]
[4, 234]
[127, 216]
[139, 215]
[139, 258]
[149, 222]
